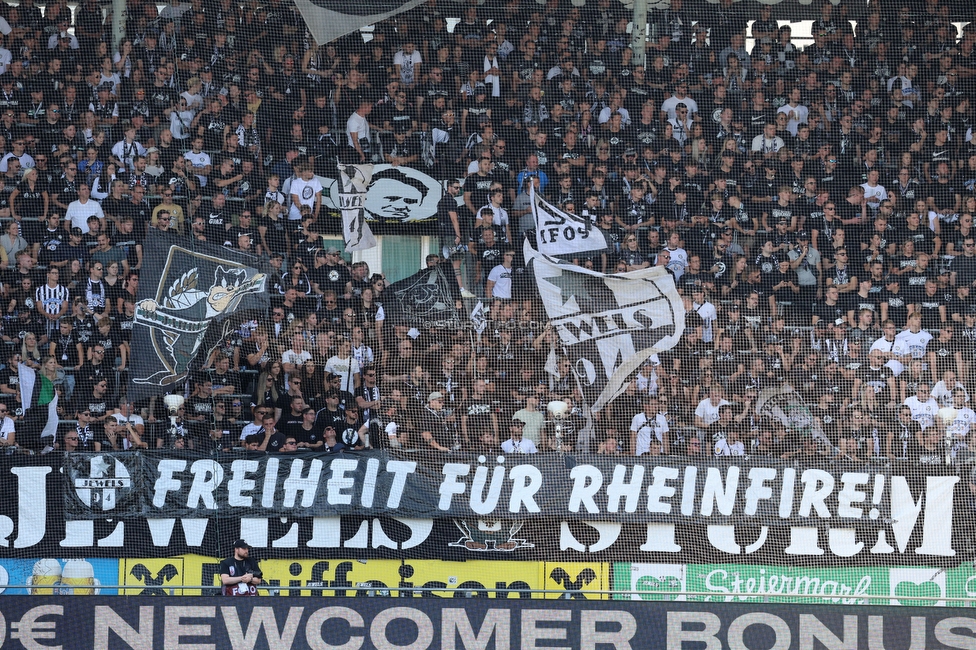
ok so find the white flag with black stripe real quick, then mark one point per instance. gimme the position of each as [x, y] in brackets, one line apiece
[560, 233]
[608, 325]
[355, 181]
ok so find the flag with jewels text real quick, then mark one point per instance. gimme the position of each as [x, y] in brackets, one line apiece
[608, 325]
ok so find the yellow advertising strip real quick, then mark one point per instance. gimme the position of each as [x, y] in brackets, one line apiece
[352, 578]
[577, 579]
[348, 578]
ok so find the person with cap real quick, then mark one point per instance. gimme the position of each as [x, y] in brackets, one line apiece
[240, 574]
[331, 444]
[436, 427]
[517, 443]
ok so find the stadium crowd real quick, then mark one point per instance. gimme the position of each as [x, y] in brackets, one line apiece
[814, 204]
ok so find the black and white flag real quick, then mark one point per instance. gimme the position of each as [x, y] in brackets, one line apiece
[561, 233]
[331, 19]
[428, 299]
[783, 404]
[608, 325]
[191, 289]
[355, 181]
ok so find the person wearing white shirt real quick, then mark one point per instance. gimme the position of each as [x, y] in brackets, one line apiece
[53, 39]
[6, 56]
[670, 105]
[960, 426]
[874, 192]
[795, 111]
[499, 215]
[705, 310]
[607, 112]
[305, 190]
[681, 124]
[18, 152]
[707, 410]
[199, 160]
[646, 426]
[517, 443]
[892, 348]
[357, 133]
[923, 407]
[679, 256]
[345, 366]
[407, 63]
[767, 143]
[945, 389]
[499, 284]
[126, 149]
[492, 70]
[83, 207]
[915, 339]
[180, 119]
[293, 359]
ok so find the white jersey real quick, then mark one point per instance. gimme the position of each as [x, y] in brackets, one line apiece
[915, 342]
[899, 347]
[523, 446]
[678, 263]
[357, 124]
[127, 152]
[306, 191]
[923, 412]
[198, 161]
[960, 426]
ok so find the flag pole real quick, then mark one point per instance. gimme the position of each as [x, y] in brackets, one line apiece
[585, 436]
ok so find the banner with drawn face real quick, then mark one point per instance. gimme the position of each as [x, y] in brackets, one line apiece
[396, 198]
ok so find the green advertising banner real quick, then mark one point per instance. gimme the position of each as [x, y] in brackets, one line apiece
[837, 585]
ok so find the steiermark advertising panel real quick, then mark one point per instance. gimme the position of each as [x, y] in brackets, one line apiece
[796, 584]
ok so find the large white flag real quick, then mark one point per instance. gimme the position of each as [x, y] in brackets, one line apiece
[331, 19]
[561, 233]
[355, 181]
[608, 325]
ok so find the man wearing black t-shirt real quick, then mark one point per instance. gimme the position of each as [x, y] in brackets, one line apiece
[239, 574]
[830, 309]
[330, 276]
[434, 426]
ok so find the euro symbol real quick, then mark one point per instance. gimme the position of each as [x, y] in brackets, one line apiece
[28, 629]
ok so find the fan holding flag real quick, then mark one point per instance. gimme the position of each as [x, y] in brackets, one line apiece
[606, 325]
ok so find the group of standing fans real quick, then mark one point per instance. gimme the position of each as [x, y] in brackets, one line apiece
[814, 203]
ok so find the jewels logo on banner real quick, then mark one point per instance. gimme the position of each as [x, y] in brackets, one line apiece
[578, 580]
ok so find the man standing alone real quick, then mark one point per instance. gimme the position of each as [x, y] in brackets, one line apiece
[239, 574]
